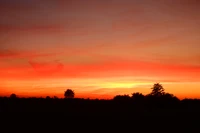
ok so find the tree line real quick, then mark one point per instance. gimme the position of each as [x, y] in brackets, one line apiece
[157, 91]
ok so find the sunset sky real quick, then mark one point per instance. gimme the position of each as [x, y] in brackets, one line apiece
[99, 48]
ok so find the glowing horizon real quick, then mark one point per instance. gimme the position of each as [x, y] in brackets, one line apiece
[99, 49]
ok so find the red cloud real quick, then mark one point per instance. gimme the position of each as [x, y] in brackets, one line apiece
[4, 54]
[47, 68]
[119, 68]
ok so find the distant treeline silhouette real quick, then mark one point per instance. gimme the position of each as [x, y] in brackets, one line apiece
[139, 109]
[156, 98]
[157, 93]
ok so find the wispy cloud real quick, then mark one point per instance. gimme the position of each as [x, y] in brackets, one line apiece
[46, 68]
[56, 69]
[113, 40]
[6, 54]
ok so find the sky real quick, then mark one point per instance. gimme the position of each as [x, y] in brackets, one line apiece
[99, 48]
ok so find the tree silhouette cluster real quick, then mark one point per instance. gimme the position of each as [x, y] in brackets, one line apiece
[156, 98]
[157, 95]
[156, 108]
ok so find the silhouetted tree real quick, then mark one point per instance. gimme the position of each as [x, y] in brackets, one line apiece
[48, 97]
[160, 98]
[122, 97]
[137, 96]
[69, 93]
[170, 97]
[55, 97]
[157, 90]
[13, 96]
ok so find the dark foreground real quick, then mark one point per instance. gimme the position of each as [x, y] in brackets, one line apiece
[78, 115]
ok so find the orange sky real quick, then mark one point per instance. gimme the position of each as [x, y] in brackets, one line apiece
[99, 48]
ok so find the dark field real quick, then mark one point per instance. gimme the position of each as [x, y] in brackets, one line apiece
[71, 115]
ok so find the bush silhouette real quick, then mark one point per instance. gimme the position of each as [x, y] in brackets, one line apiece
[122, 98]
[13, 96]
[137, 96]
[55, 97]
[48, 97]
[69, 93]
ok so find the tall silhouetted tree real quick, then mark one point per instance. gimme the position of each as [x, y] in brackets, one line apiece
[69, 93]
[157, 90]
[13, 96]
